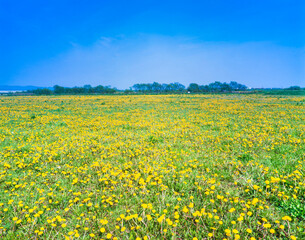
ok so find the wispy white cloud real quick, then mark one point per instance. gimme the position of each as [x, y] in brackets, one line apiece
[123, 61]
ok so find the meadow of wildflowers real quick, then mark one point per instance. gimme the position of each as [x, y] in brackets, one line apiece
[152, 167]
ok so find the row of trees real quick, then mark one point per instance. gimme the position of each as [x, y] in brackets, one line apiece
[145, 88]
[217, 87]
[87, 89]
[193, 87]
[294, 88]
[158, 88]
[83, 90]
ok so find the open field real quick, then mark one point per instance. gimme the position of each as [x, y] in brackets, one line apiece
[152, 167]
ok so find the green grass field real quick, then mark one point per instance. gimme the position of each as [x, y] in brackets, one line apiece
[152, 167]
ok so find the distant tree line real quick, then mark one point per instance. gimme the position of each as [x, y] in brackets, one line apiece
[217, 87]
[86, 89]
[146, 88]
[192, 88]
[158, 88]
[293, 88]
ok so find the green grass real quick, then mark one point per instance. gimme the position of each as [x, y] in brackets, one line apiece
[155, 167]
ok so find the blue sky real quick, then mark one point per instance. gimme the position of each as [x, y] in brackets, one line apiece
[119, 43]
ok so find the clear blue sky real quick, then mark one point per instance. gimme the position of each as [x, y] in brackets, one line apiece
[119, 43]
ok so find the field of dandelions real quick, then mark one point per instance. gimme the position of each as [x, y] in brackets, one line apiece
[152, 167]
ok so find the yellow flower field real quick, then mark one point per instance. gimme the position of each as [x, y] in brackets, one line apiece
[152, 167]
